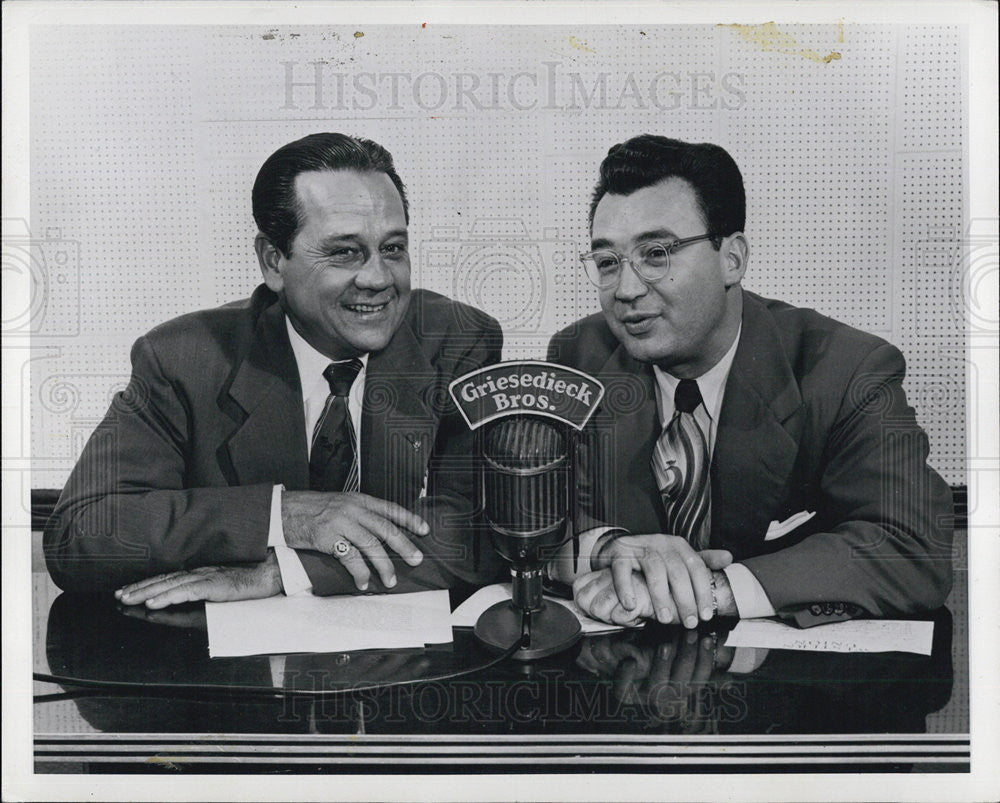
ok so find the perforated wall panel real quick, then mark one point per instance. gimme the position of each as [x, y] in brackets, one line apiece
[145, 143]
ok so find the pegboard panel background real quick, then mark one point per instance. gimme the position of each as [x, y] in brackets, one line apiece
[145, 142]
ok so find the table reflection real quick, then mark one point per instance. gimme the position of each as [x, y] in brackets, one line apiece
[657, 680]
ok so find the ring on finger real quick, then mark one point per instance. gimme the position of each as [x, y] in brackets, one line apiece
[341, 548]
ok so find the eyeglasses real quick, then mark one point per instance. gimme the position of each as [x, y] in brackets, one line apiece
[650, 261]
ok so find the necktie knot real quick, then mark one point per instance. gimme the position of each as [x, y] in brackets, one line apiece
[341, 375]
[687, 397]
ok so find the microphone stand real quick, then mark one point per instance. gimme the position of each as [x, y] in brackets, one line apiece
[545, 627]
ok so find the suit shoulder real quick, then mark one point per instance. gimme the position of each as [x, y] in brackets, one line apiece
[591, 324]
[812, 339]
[584, 344]
[805, 319]
[433, 314]
[197, 343]
[200, 323]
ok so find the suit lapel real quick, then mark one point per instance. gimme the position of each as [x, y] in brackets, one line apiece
[630, 403]
[269, 442]
[757, 437]
[398, 420]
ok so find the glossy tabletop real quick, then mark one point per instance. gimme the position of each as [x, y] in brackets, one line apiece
[119, 687]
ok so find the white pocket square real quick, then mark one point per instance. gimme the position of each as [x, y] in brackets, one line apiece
[777, 529]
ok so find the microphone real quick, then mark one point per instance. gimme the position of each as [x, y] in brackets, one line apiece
[525, 490]
[528, 488]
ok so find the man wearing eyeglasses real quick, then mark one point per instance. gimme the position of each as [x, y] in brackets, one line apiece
[302, 439]
[750, 457]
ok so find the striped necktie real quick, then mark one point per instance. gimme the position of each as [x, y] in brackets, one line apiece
[681, 466]
[333, 455]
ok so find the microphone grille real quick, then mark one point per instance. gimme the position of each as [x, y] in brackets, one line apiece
[526, 479]
[525, 444]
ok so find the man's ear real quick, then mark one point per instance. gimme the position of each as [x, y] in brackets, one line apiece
[270, 259]
[734, 254]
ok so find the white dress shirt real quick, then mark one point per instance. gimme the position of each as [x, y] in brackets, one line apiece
[751, 600]
[315, 390]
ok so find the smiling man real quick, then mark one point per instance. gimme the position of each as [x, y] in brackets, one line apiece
[750, 457]
[299, 439]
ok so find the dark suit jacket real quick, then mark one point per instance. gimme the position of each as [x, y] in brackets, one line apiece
[813, 418]
[180, 473]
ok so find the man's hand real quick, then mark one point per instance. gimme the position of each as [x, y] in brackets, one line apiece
[679, 579]
[320, 520]
[595, 595]
[210, 583]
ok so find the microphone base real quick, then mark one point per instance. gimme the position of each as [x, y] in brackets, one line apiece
[553, 628]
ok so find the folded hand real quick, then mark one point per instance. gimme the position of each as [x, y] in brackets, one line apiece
[595, 594]
[678, 579]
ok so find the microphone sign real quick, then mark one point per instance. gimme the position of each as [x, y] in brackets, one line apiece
[526, 387]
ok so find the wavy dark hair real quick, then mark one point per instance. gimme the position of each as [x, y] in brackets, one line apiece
[649, 159]
[275, 203]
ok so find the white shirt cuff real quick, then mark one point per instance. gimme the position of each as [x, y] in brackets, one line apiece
[749, 595]
[293, 574]
[563, 568]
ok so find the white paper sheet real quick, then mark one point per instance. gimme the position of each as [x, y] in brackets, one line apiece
[328, 624]
[468, 612]
[855, 635]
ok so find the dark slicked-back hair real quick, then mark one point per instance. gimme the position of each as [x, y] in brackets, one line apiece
[649, 159]
[275, 204]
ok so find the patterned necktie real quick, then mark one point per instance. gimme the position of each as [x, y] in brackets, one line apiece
[333, 456]
[681, 465]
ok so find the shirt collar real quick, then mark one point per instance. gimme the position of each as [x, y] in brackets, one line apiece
[311, 363]
[711, 384]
